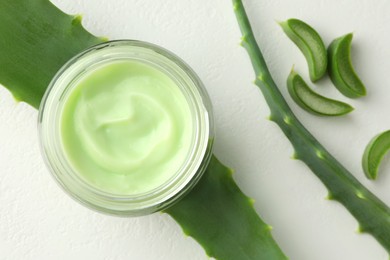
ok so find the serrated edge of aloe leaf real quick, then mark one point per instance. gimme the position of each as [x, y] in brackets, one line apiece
[339, 81]
[372, 214]
[71, 43]
[221, 218]
[39, 22]
[316, 70]
[292, 89]
[371, 164]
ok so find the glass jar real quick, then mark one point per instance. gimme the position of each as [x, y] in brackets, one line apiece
[181, 182]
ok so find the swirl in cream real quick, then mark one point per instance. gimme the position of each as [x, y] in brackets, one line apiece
[126, 128]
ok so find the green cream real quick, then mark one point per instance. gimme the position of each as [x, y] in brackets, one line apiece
[126, 128]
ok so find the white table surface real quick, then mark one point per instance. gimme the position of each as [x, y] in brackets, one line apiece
[39, 221]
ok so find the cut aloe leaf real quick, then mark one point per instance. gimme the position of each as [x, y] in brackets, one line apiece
[313, 102]
[311, 45]
[37, 39]
[341, 70]
[371, 213]
[374, 153]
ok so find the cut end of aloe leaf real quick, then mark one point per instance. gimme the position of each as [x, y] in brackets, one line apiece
[375, 151]
[313, 102]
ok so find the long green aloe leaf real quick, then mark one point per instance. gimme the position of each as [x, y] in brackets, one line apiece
[372, 214]
[220, 217]
[36, 39]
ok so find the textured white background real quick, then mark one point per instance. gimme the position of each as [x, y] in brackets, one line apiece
[39, 221]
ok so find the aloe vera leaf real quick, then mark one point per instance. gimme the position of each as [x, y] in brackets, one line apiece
[215, 205]
[313, 102]
[36, 40]
[374, 153]
[311, 45]
[220, 217]
[341, 71]
[372, 214]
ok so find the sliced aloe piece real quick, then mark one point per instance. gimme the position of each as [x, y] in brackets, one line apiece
[374, 153]
[341, 70]
[37, 39]
[311, 45]
[313, 102]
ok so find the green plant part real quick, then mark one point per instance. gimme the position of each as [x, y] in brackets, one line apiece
[214, 214]
[29, 63]
[313, 102]
[374, 153]
[311, 45]
[341, 70]
[37, 39]
[372, 214]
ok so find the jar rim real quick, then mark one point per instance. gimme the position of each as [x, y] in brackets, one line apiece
[67, 177]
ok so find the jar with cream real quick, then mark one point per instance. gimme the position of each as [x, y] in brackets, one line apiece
[126, 128]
